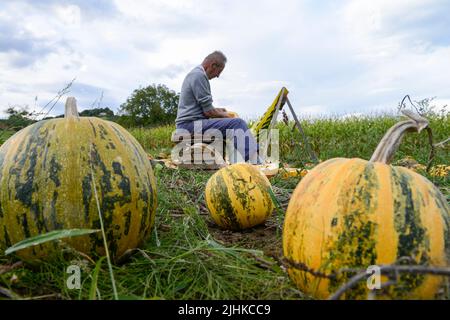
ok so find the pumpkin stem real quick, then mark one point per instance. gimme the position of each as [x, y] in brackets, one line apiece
[391, 141]
[71, 108]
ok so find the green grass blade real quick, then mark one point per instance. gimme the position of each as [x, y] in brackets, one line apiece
[93, 289]
[275, 201]
[50, 236]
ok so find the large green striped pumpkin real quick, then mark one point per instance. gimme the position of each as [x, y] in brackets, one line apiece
[238, 197]
[47, 175]
[353, 213]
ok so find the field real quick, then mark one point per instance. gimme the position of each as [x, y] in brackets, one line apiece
[187, 256]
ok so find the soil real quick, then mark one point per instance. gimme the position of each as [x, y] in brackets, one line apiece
[264, 237]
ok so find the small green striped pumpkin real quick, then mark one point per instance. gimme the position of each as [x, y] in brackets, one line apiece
[238, 197]
[47, 176]
[353, 213]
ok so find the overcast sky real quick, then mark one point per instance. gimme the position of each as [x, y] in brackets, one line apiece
[335, 57]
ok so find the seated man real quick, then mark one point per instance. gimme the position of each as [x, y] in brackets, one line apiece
[195, 107]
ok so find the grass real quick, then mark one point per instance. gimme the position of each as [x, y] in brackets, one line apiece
[5, 134]
[329, 137]
[358, 137]
[154, 140]
[187, 256]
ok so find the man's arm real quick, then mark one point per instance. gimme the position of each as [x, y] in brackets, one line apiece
[202, 93]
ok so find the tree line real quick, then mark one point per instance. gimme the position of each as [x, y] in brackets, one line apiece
[153, 105]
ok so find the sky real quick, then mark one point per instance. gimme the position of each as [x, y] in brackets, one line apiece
[335, 57]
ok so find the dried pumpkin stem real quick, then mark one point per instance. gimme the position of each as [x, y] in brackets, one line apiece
[71, 108]
[391, 141]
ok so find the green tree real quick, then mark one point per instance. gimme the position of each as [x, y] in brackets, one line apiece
[18, 118]
[152, 105]
[97, 112]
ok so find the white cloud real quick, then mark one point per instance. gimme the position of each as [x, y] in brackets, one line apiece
[311, 111]
[70, 15]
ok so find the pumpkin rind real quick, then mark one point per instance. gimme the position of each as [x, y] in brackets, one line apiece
[237, 197]
[351, 213]
[46, 184]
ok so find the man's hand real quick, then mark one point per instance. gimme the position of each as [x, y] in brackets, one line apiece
[218, 113]
[230, 114]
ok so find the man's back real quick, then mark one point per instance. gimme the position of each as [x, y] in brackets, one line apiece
[195, 97]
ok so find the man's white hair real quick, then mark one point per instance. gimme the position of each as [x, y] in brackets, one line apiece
[216, 56]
